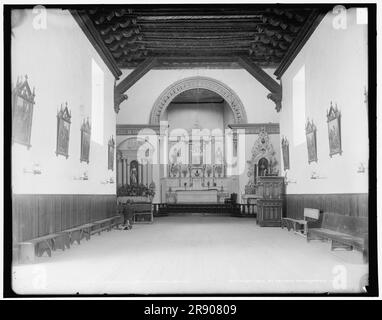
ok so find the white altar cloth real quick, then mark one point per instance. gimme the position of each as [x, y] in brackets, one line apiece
[197, 196]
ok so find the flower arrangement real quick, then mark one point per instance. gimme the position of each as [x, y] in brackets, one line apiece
[136, 190]
[209, 171]
[219, 170]
[184, 170]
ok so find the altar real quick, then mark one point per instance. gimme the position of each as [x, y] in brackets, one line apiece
[197, 196]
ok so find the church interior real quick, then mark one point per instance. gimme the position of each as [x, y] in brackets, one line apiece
[174, 149]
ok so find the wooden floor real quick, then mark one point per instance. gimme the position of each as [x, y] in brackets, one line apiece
[194, 254]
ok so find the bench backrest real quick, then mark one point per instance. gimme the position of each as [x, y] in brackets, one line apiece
[355, 226]
[311, 214]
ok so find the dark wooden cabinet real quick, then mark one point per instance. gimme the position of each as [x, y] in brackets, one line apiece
[270, 190]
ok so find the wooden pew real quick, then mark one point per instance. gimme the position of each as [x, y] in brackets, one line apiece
[344, 232]
[312, 218]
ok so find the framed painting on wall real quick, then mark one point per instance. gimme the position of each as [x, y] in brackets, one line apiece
[285, 150]
[110, 153]
[311, 141]
[85, 141]
[63, 131]
[22, 112]
[334, 130]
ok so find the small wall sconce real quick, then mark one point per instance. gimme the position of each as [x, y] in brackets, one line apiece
[361, 168]
[315, 175]
[287, 180]
[35, 169]
[84, 176]
[108, 181]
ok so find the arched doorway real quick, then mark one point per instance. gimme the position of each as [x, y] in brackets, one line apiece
[211, 84]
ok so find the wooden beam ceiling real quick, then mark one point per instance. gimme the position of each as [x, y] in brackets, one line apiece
[253, 37]
[262, 33]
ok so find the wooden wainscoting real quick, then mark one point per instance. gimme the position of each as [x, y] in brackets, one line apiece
[35, 215]
[352, 204]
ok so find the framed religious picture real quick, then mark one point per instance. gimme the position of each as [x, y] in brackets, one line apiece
[63, 131]
[110, 154]
[334, 130]
[311, 141]
[285, 150]
[85, 141]
[22, 112]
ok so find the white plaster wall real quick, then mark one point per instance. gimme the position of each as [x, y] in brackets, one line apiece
[336, 70]
[206, 115]
[57, 61]
[142, 95]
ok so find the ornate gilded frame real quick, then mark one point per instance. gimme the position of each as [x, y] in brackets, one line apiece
[311, 141]
[63, 131]
[23, 100]
[334, 130]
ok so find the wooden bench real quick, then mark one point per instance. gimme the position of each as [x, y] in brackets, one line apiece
[312, 219]
[78, 233]
[143, 212]
[105, 224]
[344, 232]
[64, 239]
[38, 246]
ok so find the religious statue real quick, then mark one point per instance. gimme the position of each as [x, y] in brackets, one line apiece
[134, 173]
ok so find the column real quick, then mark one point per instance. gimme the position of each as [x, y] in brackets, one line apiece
[212, 150]
[190, 150]
[127, 165]
[117, 170]
[122, 163]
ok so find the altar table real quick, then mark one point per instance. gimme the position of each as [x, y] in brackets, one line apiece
[197, 196]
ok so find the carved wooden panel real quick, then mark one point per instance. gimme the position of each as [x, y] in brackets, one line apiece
[269, 212]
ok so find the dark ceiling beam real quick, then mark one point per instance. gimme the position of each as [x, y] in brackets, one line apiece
[130, 80]
[137, 74]
[168, 59]
[302, 37]
[95, 39]
[265, 79]
[242, 25]
[259, 74]
[195, 34]
[199, 19]
[196, 45]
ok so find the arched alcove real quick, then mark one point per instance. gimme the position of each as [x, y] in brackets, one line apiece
[211, 84]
